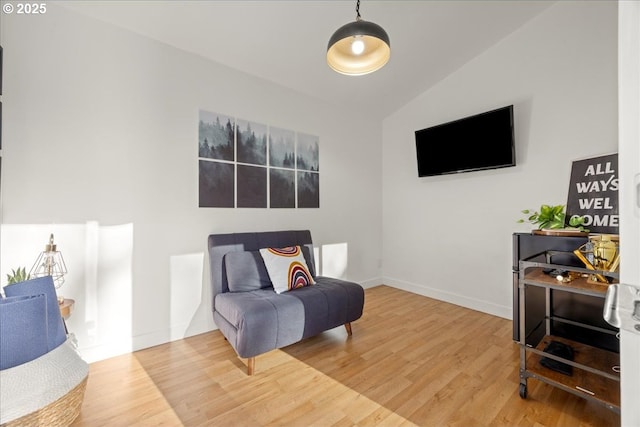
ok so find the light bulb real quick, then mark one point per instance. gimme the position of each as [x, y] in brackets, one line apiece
[357, 47]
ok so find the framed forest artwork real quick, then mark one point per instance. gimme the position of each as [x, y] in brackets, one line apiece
[248, 164]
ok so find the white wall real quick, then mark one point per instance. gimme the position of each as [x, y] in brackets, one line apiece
[449, 237]
[100, 148]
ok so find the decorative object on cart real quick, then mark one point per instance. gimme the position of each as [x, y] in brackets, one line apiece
[42, 377]
[606, 252]
[359, 47]
[19, 275]
[50, 263]
[600, 253]
[559, 349]
[551, 220]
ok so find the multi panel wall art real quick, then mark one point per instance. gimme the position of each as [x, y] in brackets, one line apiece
[245, 164]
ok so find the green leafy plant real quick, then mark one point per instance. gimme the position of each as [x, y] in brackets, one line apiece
[554, 218]
[17, 276]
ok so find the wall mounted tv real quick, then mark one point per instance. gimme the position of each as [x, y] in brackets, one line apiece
[479, 142]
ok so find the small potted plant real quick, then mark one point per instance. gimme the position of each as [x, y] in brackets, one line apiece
[17, 276]
[551, 220]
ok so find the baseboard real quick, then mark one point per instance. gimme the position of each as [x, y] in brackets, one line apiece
[98, 352]
[457, 299]
[130, 344]
[370, 283]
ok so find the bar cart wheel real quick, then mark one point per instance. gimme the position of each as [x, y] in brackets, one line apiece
[523, 391]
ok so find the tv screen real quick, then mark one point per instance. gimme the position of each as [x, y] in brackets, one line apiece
[474, 143]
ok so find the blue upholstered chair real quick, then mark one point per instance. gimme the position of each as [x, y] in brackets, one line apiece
[42, 377]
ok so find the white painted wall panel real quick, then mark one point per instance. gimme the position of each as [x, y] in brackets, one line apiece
[449, 237]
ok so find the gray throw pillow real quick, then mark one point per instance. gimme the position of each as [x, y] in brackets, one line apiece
[246, 271]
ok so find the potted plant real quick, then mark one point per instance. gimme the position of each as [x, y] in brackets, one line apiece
[17, 276]
[552, 220]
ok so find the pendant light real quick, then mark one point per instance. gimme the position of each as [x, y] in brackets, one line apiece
[359, 47]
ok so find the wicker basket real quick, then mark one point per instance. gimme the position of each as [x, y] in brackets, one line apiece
[61, 412]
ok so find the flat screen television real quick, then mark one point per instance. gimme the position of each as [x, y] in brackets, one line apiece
[479, 142]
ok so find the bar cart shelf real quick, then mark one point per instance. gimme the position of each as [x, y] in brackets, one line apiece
[595, 371]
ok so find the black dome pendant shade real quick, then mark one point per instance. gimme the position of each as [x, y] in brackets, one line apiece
[358, 48]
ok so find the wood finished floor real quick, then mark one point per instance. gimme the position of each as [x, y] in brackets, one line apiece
[412, 361]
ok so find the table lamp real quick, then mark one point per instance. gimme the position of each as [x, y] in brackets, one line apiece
[50, 263]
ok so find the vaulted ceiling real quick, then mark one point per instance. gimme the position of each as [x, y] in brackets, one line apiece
[285, 42]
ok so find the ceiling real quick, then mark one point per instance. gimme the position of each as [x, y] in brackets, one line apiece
[285, 42]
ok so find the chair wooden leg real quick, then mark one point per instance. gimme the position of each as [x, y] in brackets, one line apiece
[251, 365]
[347, 326]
